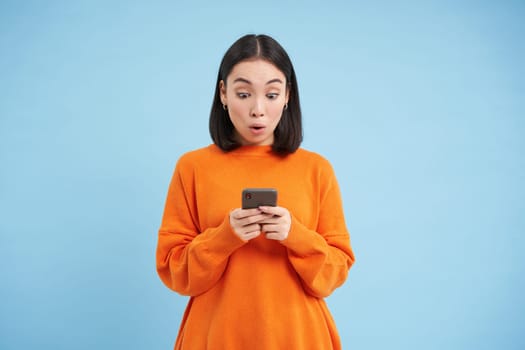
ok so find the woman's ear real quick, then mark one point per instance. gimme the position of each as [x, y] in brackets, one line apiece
[222, 89]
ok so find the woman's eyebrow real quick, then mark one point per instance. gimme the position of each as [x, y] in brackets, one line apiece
[246, 81]
[242, 80]
[276, 80]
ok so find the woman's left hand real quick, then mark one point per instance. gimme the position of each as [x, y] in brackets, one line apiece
[278, 226]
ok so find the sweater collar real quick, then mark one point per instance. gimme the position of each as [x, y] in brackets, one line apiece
[252, 151]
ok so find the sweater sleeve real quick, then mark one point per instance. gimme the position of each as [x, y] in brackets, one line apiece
[190, 262]
[322, 257]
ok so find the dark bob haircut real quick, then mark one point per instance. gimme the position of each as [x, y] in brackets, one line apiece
[288, 134]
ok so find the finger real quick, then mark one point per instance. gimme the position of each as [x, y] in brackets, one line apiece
[278, 211]
[265, 219]
[267, 228]
[272, 236]
[254, 219]
[250, 235]
[270, 219]
[252, 228]
[239, 213]
[276, 236]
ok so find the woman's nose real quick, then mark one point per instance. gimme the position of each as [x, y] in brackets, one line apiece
[257, 108]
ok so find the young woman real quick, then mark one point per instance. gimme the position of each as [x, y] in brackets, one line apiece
[256, 277]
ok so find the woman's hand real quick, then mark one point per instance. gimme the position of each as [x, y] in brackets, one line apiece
[277, 223]
[245, 222]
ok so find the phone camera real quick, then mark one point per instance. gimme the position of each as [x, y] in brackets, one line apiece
[248, 195]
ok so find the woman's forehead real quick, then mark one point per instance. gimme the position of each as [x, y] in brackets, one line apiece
[256, 71]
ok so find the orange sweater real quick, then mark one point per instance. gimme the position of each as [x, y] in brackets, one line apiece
[262, 294]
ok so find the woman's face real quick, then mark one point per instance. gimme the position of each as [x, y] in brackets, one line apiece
[255, 94]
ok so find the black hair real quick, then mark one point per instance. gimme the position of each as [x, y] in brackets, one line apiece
[288, 134]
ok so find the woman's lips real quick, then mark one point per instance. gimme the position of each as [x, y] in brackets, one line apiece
[257, 129]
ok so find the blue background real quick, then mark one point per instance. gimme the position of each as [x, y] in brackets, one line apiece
[419, 105]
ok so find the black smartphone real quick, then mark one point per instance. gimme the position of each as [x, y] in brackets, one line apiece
[256, 197]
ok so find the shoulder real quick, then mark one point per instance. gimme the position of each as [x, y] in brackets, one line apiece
[200, 153]
[198, 156]
[316, 168]
[312, 158]
[314, 164]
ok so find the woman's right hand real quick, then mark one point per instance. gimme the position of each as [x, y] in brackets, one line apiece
[244, 222]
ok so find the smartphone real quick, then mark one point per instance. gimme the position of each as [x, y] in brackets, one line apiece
[256, 197]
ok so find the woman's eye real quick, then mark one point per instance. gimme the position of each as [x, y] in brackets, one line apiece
[272, 96]
[243, 95]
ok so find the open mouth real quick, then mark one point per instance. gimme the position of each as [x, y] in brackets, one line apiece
[257, 129]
